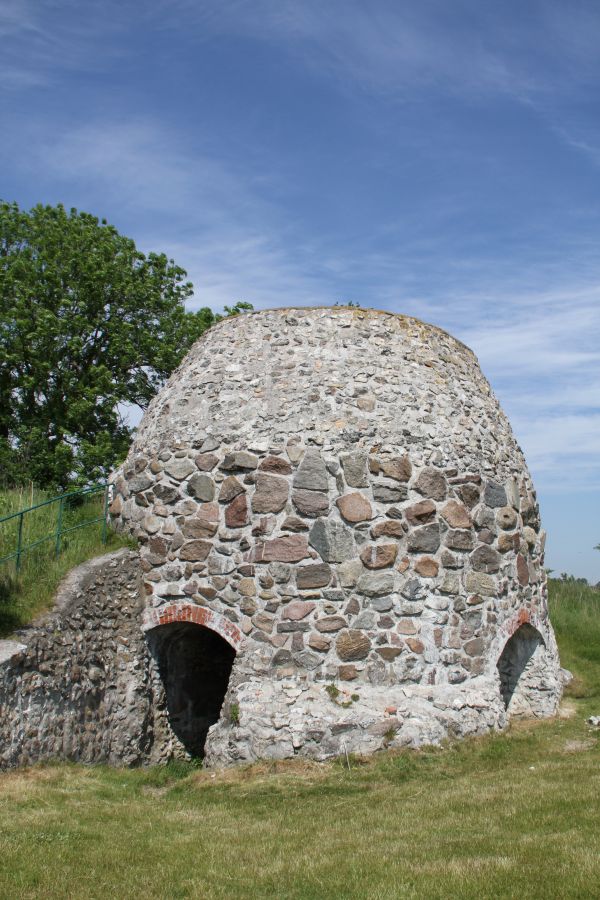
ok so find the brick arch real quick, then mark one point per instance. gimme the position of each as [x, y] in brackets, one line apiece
[197, 615]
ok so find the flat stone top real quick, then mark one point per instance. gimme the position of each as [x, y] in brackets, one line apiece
[339, 378]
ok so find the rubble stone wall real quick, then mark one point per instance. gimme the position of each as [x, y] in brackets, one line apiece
[79, 683]
[344, 489]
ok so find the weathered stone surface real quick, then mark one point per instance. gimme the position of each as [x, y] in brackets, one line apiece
[152, 524]
[413, 589]
[236, 513]
[356, 469]
[264, 621]
[459, 540]
[199, 527]
[293, 523]
[349, 572]
[420, 513]
[332, 540]
[506, 518]
[426, 567]
[380, 604]
[247, 587]
[485, 559]
[240, 460]
[352, 645]
[315, 576]
[425, 539]
[384, 493]
[179, 468]
[139, 483]
[375, 584]
[432, 483]
[355, 508]
[474, 647]
[206, 462]
[195, 550]
[290, 548]
[389, 653]
[202, 487]
[271, 494]
[347, 672]
[379, 556]
[311, 503]
[508, 542]
[318, 642]
[166, 493]
[308, 660]
[479, 583]
[327, 624]
[277, 465]
[456, 515]
[230, 488]
[522, 570]
[450, 584]
[399, 468]
[312, 473]
[469, 494]
[494, 494]
[298, 609]
[387, 528]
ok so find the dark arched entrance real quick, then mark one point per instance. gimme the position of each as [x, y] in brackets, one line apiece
[519, 669]
[194, 664]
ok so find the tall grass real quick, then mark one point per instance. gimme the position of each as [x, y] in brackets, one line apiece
[25, 594]
[575, 615]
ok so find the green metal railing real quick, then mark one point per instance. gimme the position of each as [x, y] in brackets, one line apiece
[63, 501]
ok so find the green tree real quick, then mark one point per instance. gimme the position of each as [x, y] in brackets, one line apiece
[87, 323]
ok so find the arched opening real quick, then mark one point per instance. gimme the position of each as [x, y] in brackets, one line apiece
[194, 663]
[522, 668]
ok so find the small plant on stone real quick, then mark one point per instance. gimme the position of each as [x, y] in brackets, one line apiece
[333, 692]
[389, 735]
[234, 714]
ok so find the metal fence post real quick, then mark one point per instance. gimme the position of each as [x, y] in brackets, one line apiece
[58, 528]
[105, 515]
[19, 541]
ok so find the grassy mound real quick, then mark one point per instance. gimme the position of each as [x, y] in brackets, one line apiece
[31, 591]
[513, 815]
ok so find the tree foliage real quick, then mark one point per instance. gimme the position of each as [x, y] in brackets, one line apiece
[87, 323]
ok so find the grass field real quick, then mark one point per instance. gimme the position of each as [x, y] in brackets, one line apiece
[514, 815]
[23, 597]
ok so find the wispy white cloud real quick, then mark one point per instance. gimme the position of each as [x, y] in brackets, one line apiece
[395, 48]
[536, 332]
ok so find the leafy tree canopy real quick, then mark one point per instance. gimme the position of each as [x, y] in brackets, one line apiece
[87, 323]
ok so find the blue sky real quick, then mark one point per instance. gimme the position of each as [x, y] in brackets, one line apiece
[440, 159]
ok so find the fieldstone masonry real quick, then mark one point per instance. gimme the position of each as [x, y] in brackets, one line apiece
[340, 547]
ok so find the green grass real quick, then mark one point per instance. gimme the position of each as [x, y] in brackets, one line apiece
[29, 593]
[513, 815]
[575, 614]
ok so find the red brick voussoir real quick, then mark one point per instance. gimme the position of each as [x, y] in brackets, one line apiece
[197, 615]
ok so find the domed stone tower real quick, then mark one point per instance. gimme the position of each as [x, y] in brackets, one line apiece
[340, 541]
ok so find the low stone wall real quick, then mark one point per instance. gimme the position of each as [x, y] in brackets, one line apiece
[78, 684]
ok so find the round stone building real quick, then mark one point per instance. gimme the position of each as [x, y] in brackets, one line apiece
[340, 542]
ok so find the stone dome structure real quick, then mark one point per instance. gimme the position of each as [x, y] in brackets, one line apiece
[340, 541]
